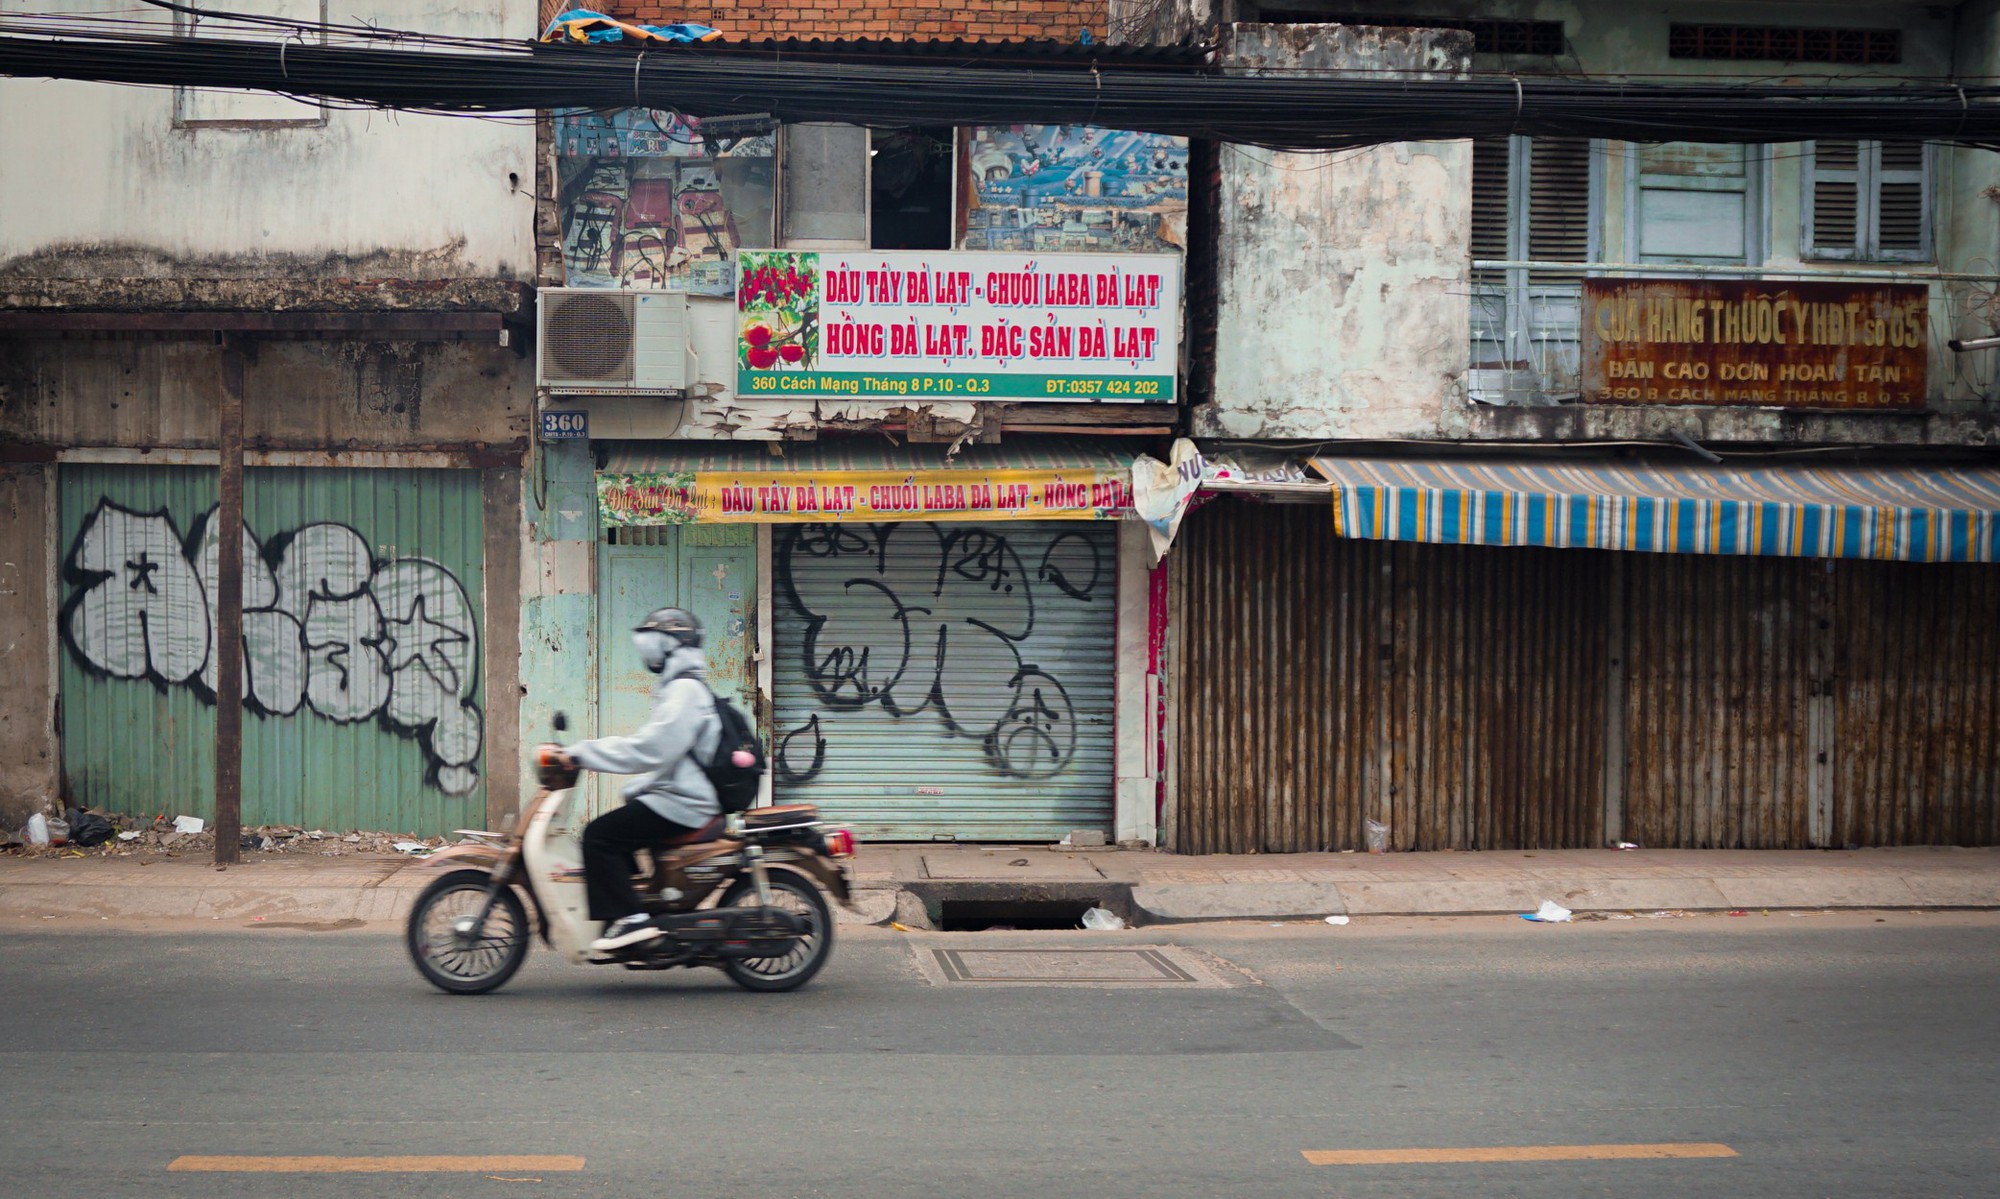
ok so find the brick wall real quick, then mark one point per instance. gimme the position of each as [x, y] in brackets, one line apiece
[984, 20]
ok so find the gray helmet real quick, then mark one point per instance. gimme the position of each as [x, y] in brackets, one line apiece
[678, 623]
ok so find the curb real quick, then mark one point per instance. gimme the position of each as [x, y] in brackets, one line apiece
[921, 903]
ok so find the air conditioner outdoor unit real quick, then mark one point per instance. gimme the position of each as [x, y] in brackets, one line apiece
[602, 341]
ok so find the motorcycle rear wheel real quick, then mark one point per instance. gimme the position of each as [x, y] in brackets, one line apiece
[445, 959]
[795, 967]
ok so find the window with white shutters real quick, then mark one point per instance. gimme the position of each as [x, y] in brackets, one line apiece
[1695, 202]
[1867, 201]
[1531, 202]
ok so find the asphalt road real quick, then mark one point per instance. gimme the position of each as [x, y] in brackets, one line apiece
[1831, 1055]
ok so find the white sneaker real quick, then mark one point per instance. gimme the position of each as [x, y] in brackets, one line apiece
[635, 929]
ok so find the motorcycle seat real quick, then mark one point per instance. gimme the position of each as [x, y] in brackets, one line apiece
[780, 814]
[707, 832]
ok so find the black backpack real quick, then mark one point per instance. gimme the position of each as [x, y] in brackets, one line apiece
[735, 786]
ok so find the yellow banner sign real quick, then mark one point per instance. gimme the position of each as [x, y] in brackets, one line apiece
[780, 497]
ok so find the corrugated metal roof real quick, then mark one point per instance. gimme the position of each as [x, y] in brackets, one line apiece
[867, 453]
[1912, 513]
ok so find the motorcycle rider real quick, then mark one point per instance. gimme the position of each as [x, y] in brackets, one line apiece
[672, 794]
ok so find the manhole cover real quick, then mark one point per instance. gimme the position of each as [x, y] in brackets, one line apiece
[1147, 966]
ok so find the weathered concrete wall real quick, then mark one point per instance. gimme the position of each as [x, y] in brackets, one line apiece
[501, 493]
[117, 189]
[297, 394]
[27, 570]
[558, 663]
[1341, 281]
[1300, 355]
[1968, 225]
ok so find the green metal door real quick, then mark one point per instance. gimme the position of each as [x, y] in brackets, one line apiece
[362, 627]
[709, 570]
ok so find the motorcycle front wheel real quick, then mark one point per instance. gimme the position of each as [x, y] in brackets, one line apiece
[797, 965]
[448, 953]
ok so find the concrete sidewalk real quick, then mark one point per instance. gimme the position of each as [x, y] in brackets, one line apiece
[912, 884]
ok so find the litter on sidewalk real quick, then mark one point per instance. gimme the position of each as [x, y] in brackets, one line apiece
[1550, 912]
[1098, 918]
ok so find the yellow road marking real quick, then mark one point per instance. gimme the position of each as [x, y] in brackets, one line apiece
[1512, 1153]
[370, 1165]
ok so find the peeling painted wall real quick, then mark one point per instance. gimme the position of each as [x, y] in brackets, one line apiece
[306, 394]
[118, 189]
[27, 730]
[1320, 363]
[558, 661]
[1341, 279]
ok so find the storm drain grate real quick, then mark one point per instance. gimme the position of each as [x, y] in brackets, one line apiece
[1124, 966]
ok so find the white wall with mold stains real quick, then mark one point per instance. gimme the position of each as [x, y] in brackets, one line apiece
[1341, 279]
[1311, 345]
[119, 186]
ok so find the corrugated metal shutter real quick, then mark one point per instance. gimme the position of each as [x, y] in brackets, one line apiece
[135, 737]
[1497, 723]
[1307, 665]
[1720, 668]
[362, 645]
[946, 679]
[1276, 691]
[1916, 744]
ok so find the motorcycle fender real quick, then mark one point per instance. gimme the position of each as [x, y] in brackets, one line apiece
[831, 877]
[470, 854]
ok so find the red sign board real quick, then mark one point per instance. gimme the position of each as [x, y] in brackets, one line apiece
[1749, 342]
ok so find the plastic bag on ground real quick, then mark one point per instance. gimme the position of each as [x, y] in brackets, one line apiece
[1336, 920]
[88, 828]
[36, 831]
[1098, 918]
[1550, 912]
[1376, 835]
[189, 824]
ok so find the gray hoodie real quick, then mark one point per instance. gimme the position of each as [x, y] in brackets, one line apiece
[667, 751]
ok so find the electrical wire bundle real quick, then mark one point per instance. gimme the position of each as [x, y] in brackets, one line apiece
[1285, 111]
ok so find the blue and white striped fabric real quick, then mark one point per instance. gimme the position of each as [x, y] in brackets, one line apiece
[1910, 513]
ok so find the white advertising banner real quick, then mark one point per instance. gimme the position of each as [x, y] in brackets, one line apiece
[969, 325]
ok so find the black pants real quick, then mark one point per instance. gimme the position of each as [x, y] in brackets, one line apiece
[608, 842]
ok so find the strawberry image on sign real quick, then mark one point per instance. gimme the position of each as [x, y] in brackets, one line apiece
[777, 299]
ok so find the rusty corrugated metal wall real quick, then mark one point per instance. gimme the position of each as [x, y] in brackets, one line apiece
[1497, 721]
[1308, 667]
[1916, 746]
[1488, 698]
[1719, 671]
[1276, 625]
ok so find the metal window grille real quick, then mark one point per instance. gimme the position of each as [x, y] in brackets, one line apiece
[1853, 47]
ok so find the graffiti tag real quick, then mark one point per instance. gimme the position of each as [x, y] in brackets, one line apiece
[934, 651]
[326, 627]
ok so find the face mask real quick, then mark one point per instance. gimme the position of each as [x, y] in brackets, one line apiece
[654, 646]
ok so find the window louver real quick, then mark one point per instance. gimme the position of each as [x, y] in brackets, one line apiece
[1559, 205]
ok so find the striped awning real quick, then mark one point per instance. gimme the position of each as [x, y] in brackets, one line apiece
[1910, 513]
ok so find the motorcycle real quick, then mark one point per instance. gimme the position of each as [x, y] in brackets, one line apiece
[769, 927]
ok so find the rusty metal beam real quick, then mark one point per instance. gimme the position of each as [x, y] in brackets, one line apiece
[370, 324]
[444, 455]
[229, 613]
